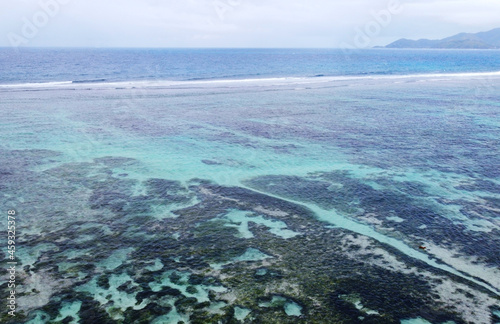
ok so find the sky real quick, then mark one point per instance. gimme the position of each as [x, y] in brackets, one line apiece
[238, 23]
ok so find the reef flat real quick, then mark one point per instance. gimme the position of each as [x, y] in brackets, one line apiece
[254, 205]
[229, 255]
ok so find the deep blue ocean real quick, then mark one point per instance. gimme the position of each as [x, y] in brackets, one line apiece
[115, 65]
[251, 185]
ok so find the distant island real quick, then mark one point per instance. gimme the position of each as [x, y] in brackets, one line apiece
[483, 40]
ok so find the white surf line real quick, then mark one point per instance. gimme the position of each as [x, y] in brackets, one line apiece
[285, 80]
[351, 225]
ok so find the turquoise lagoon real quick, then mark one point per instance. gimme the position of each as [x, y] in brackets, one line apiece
[292, 200]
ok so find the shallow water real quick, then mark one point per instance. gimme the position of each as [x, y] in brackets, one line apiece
[195, 201]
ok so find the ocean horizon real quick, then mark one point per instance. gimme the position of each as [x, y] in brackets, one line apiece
[88, 65]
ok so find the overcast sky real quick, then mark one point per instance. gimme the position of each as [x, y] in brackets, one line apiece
[237, 23]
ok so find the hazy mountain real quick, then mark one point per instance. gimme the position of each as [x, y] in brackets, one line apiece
[483, 40]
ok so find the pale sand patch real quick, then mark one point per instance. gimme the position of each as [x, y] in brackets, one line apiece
[496, 210]
[275, 213]
[481, 224]
[45, 286]
[455, 296]
[380, 258]
[285, 288]
[371, 218]
[362, 308]
[207, 192]
[395, 219]
[468, 264]
[229, 296]
[473, 310]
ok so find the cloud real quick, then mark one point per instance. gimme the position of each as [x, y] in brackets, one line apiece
[239, 23]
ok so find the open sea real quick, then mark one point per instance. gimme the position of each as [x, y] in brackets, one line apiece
[251, 185]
